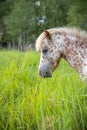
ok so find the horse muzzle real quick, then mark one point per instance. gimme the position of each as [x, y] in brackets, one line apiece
[45, 71]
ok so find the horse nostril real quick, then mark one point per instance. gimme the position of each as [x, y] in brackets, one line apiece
[47, 74]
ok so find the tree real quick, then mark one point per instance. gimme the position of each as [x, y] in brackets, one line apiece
[54, 12]
[20, 21]
[23, 20]
[77, 14]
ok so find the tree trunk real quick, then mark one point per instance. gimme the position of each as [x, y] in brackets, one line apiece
[20, 43]
[9, 45]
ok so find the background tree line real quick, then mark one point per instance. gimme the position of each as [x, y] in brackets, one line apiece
[21, 21]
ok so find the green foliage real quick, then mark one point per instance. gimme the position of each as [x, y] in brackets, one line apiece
[30, 102]
[20, 18]
[27, 19]
[77, 15]
[54, 12]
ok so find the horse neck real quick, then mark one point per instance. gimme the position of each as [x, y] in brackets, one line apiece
[75, 51]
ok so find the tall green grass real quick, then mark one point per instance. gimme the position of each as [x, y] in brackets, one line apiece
[28, 102]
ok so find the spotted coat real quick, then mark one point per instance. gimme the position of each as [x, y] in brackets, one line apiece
[67, 43]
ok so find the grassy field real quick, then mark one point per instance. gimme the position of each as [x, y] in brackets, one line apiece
[29, 102]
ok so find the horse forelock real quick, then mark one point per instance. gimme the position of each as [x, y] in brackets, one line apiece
[42, 36]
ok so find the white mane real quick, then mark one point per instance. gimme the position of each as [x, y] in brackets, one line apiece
[69, 31]
[39, 41]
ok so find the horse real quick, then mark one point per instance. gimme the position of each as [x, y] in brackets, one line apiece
[63, 42]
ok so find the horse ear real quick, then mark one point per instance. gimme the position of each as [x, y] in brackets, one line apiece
[47, 34]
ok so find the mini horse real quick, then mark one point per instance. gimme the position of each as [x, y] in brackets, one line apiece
[67, 43]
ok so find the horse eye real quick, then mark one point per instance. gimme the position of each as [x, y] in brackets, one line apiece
[45, 51]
